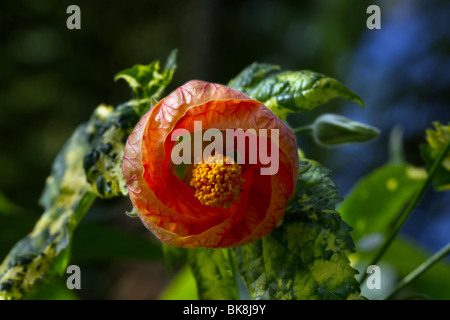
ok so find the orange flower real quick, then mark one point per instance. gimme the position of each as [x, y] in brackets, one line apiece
[220, 201]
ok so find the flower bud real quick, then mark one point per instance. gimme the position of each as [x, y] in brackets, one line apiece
[331, 129]
[215, 201]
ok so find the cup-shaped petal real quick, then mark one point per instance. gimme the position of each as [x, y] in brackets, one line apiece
[168, 204]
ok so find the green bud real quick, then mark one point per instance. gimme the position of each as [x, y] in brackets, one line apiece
[331, 129]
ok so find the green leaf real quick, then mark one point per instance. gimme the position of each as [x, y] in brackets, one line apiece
[252, 76]
[146, 81]
[182, 287]
[213, 273]
[378, 199]
[373, 207]
[404, 256]
[290, 91]
[55, 289]
[110, 128]
[305, 257]
[88, 165]
[173, 256]
[437, 140]
[45, 251]
[420, 270]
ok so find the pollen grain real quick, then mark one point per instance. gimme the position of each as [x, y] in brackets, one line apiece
[217, 181]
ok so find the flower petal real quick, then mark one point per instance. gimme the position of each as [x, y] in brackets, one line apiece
[164, 203]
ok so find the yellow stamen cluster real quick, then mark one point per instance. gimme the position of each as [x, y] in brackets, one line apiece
[217, 181]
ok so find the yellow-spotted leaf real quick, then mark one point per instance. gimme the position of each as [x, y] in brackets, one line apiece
[377, 199]
[290, 91]
[88, 166]
[45, 251]
[111, 127]
[305, 257]
[213, 274]
[437, 141]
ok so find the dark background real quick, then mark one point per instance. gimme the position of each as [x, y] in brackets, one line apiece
[52, 78]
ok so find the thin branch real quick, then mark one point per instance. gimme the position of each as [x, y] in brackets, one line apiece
[420, 270]
[412, 204]
[303, 129]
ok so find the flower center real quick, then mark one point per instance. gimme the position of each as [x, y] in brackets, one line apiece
[217, 181]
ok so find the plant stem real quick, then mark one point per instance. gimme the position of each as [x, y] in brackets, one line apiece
[420, 270]
[303, 129]
[228, 252]
[412, 204]
[396, 151]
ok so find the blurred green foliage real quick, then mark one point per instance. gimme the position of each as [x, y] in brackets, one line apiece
[89, 166]
[53, 78]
